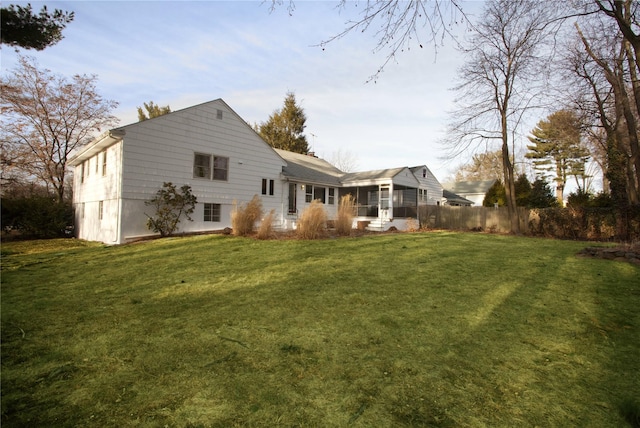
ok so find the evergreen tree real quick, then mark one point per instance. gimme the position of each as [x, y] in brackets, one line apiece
[21, 27]
[153, 110]
[495, 195]
[541, 195]
[523, 190]
[557, 149]
[284, 128]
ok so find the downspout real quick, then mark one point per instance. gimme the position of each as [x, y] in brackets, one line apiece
[119, 170]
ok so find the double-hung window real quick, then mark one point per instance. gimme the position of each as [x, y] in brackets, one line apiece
[212, 212]
[220, 168]
[202, 166]
[315, 192]
[308, 193]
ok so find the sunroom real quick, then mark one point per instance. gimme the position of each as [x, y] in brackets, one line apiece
[383, 198]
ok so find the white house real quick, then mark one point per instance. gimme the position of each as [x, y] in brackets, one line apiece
[473, 191]
[213, 150]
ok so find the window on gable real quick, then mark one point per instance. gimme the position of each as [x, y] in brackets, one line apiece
[212, 212]
[104, 163]
[220, 168]
[202, 166]
[219, 114]
[82, 172]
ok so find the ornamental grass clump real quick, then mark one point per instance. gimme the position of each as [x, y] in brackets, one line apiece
[312, 222]
[244, 216]
[344, 220]
[265, 231]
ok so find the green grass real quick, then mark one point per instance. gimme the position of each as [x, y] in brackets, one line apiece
[436, 329]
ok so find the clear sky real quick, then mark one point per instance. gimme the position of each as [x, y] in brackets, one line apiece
[182, 53]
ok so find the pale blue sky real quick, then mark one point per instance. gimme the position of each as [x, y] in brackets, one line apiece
[183, 53]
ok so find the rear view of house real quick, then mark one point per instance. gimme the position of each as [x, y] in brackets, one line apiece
[208, 146]
[213, 150]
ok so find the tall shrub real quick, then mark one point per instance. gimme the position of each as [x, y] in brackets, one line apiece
[265, 231]
[169, 206]
[344, 220]
[245, 216]
[312, 222]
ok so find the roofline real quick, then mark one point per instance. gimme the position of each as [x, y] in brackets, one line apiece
[104, 140]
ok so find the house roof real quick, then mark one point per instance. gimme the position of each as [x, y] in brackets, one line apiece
[469, 187]
[373, 175]
[456, 199]
[309, 168]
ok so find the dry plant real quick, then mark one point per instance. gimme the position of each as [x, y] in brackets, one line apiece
[244, 216]
[312, 222]
[265, 231]
[344, 220]
[412, 225]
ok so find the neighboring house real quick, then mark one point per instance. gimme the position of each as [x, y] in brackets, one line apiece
[454, 200]
[473, 191]
[213, 150]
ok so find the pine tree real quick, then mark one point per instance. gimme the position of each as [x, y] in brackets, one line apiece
[153, 110]
[557, 149]
[22, 27]
[284, 128]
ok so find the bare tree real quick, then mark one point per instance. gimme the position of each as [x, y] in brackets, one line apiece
[45, 117]
[398, 25]
[507, 59]
[344, 160]
[608, 66]
[482, 166]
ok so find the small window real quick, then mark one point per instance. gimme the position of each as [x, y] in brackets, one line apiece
[212, 212]
[332, 196]
[100, 210]
[82, 172]
[220, 168]
[308, 193]
[270, 187]
[202, 166]
[219, 114]
[82, 210]
[104, 163]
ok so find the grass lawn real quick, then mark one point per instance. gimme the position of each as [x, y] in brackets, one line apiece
[427, 329]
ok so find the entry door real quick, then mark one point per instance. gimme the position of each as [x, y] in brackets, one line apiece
[293, 195]
[384, 201]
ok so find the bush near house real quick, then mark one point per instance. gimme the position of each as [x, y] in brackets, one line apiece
[169, 206]
[265, 231]
[313, 222]
[344, 219]
[245, 216]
